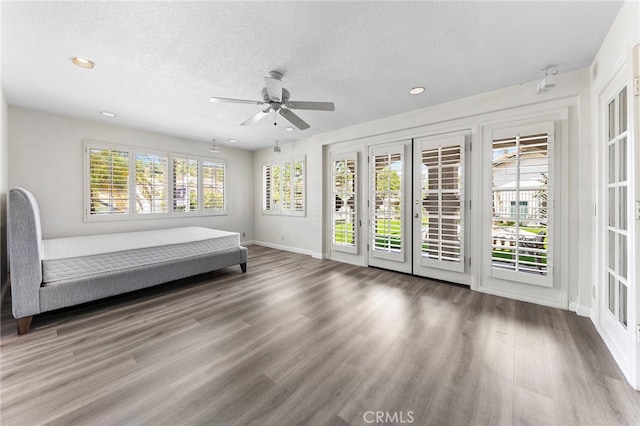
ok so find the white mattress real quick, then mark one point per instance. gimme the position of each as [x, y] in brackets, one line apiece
[65, 258]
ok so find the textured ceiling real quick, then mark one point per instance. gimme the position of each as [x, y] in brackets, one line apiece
[158, 63]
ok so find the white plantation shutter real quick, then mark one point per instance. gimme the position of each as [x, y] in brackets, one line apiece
[283, 187]
[129, 183]
[297, 187]
[185, 185]
[213, 182]
[521, 215]
[109, 181]
[387, 200]
[344, 215]
[266, 188]
[286, 186]
[152, 183]
[442, 210]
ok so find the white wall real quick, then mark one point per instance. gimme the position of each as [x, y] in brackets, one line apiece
[571, 93]
[4, 188]
[47, 158]
[294, 233]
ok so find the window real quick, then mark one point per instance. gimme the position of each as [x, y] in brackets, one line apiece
[523, 208]
[521, 238]
[152, 192]
[127, 183]
[108, 181]
[283, 187]
[185, 184]
[213, 185]
[344, 203]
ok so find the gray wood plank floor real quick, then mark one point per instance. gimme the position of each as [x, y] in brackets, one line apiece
[297, 340]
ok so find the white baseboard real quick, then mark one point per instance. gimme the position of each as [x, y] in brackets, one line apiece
[521, 297]
[619, 356]
[319, 255]
[348, 261]
[581, 310]
[285, 248]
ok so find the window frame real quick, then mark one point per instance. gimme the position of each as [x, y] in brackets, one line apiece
[88, 216]
[353, 247]
[148, 152]
[132, 213]
[223, 210]
[278, 208]
[172, 211]
[553, 238]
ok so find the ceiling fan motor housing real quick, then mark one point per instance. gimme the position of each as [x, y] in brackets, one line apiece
[275, 105]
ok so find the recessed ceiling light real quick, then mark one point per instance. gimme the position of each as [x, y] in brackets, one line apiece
[289, 129]
[416, 90]
[232, 141]
[107, 114]
[83, 63]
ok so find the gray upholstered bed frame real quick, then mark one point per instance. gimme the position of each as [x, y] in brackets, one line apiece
[29, 297]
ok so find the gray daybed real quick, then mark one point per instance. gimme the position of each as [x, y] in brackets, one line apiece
[57, 273]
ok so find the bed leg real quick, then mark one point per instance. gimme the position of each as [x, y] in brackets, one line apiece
[23, 324]
[243, 266]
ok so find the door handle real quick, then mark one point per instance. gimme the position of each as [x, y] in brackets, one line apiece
[416, 215]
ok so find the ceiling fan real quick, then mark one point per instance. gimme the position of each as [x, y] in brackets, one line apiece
[277, 100]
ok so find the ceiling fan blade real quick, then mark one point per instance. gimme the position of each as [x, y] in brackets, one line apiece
[316, 106]
[294, 119]
[273, 80]
[256, 117]
[236, 101]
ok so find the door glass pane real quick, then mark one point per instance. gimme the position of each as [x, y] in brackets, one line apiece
[622, 208]
[622, 252]
[612, 250]
[612, 207]
[612, 119]
[387, 209]
[623, 305]
[622, 160]
[611, 294]
[622, 105]
[612, 163]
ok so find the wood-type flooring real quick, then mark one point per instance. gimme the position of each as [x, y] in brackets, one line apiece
[299, 341]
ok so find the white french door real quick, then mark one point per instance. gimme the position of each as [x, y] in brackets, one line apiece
[416, 207]
[390, 207]
[617, 217]
[439, 207]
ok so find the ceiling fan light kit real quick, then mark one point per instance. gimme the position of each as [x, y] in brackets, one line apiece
[277, 100]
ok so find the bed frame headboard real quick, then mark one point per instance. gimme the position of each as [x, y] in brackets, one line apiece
[25, 252]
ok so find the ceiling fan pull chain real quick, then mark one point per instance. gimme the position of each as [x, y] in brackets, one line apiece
[275, 118]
